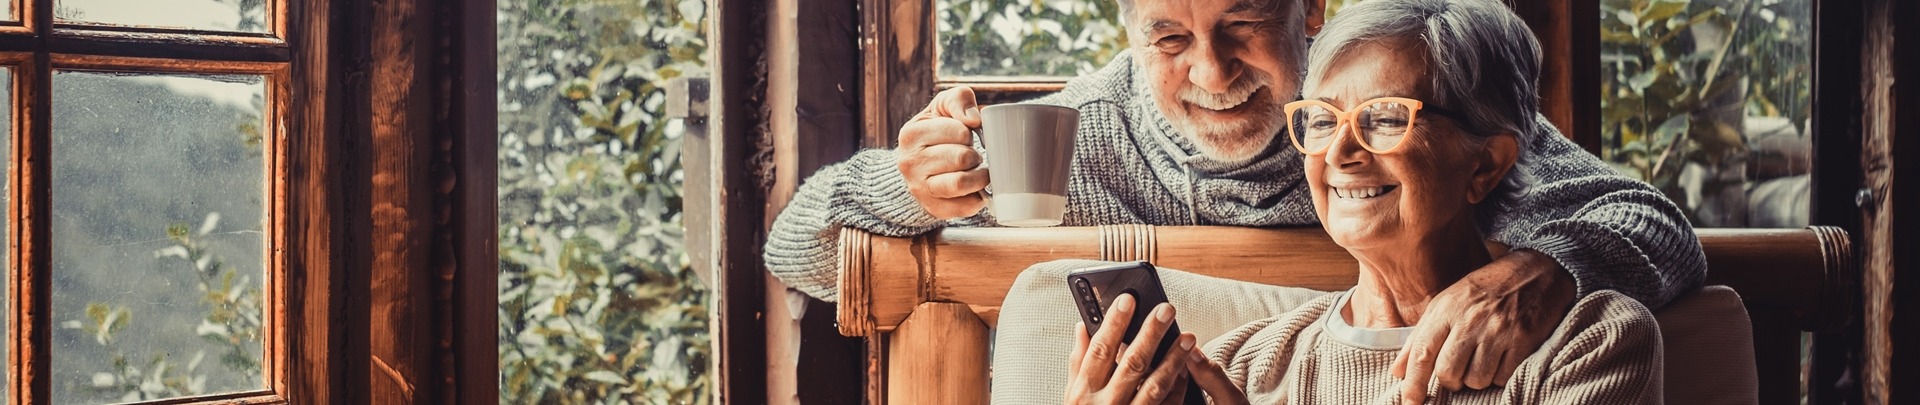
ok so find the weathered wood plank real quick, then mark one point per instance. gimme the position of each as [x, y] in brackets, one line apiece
[316, 242]
[401, 328]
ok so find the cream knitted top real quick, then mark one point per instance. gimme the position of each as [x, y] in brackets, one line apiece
[1606, 351]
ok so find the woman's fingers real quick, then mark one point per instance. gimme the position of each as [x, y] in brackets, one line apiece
[1137, 360]
[1098, 363]
[1079, 349]
[1166, 377]
[1213, 380]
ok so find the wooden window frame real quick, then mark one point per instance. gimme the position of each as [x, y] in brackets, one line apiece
[35, 47]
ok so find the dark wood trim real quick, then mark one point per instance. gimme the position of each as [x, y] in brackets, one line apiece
[317, 237]
[473, 366]
[897, 58]
[738, 41]
[1569, 67]
[1890, 62]
[169, 45]
[1834, 372]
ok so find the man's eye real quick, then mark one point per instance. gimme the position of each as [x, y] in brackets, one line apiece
[1171, 41]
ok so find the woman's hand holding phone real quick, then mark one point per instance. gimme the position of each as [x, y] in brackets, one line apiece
[1103, 370]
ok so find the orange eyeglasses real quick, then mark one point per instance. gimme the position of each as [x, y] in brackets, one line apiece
[1379, 124]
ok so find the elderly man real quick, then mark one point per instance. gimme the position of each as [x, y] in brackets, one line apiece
[1183, 130]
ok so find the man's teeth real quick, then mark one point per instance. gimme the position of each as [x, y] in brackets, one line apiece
[1363, 192]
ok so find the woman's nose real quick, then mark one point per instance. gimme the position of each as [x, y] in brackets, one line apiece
[1345, 152]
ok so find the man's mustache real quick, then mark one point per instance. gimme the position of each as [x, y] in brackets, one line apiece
[1242, 90]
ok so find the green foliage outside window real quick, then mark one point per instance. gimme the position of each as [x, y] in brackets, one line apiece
[597, 303]
[1693, 83]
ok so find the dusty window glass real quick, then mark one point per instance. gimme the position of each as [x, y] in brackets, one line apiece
[158, 197]
[1708, 100]
[212, 15]
[597, 301]
[1025, 37]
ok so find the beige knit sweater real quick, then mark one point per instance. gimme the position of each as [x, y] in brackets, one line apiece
[1606, 351]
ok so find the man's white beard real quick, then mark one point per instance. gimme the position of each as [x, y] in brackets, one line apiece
[1231, 141]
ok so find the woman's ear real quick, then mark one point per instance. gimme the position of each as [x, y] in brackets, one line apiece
[1316, 15]
[1496, 159]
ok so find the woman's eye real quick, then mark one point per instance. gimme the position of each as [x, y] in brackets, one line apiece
[1322, 124]
[1389, 122]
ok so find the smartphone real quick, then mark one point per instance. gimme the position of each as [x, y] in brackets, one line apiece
[1095, 288]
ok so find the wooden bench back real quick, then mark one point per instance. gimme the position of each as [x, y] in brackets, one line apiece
[951, 283]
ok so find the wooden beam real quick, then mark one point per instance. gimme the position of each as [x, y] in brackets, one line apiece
[1834, 372]
[472, 367]
[736, 129]
[1890, 64]
[939, 357]
[402, 327]
[897, 43]
[1569, 35]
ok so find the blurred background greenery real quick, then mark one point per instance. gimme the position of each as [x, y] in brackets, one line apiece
[597, 303]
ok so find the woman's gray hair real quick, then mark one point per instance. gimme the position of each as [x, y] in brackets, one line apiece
[1482, 60]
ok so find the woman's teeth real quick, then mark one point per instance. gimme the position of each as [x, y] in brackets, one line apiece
[1361, 192]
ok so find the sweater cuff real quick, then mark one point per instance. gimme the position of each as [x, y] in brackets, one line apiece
[886, 196]
[1584, 262]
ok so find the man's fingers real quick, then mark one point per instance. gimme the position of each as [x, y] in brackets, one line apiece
[1509, 364]
[1166, 377]
[957, 184]
[1098, 364]
[1486, 364]
[1450, 367]
[957, 103]
[1423, 351]
[1135, 362]
[934, 131]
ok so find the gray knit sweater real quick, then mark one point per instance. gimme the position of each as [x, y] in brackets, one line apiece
[1131, 166]
[1606, 351]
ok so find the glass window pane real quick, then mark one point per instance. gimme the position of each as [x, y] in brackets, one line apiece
[597, 302]
[213, 15]
[1709, 101]
[1026, 38]
[158, 245]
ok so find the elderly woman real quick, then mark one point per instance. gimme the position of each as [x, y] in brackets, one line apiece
[1411, 125]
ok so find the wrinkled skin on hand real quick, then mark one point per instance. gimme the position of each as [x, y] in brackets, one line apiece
[937, 158]
[1477, 331]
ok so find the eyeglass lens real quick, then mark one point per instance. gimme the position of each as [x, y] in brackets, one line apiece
[1380, 125]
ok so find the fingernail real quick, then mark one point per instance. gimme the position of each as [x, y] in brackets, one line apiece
[1196, 357]
[1163, 312]
[973, 112]
[1186, 343]
[1123, 303]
